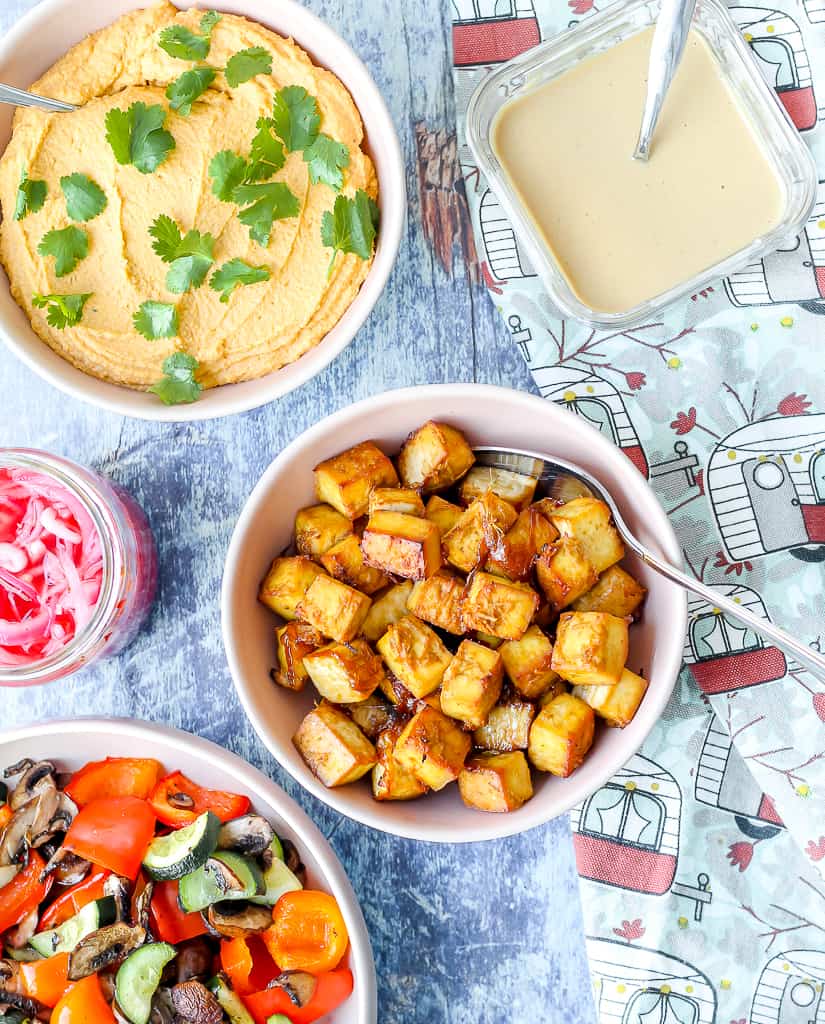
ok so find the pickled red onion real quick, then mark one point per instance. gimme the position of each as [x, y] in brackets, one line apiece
[47, 530]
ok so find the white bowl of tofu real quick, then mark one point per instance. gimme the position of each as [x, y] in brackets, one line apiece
[428, 646]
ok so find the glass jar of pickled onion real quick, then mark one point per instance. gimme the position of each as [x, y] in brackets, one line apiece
[78, 567]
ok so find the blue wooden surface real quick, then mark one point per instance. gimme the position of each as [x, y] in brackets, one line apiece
[482, 934]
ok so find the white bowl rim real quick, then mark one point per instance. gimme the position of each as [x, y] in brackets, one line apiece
[220, 402]
[252, 781]
[489, 826]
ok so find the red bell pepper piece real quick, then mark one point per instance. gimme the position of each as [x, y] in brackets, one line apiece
[116, 776]
[332, 989]
[5, 815]
[196, 800]
[172, 924]
[45, 980]
[73, 900]
[247, 964]
[24, 893]
[112, 833]
[83, 1003]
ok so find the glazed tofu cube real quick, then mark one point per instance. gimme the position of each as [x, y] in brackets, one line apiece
[333, 747]
[615, 704]
[514, 555]
[514, 488]
[345, 480]
[564, 573]
[388, 607]
[443, 513]
[589, 521]
[286, 584]
[345, 673]
[415, 654]
[615, 592]
[527, 663]
[433, 748]
[390, 779]
[396, 499]
[472, 684]
[295, 640]
[434, 457]
[561, 735]
[402, 545]
[478, 529]
[507, 726]
[590, 648]
[372, 715]
[336, 610]
[554, 689]
[318, 528]
[547, 506]
[499, 607]
[496, 782]
[439, 601]
[345, 561]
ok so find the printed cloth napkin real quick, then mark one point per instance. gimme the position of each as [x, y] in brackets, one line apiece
[702, 860]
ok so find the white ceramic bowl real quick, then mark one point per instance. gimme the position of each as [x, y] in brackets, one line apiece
[487, 415]
[46, 33]
[72, 742]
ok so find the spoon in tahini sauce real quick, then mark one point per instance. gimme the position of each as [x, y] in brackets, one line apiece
[669, 38]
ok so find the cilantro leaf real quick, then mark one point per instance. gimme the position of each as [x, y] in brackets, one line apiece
[85, 199]
[183, 92]
[326, 160]
[180, 41]
[350, 226]
[235, 272]
[156, 320]
[227, 170]
[62, 310]
[266, 154]
[137, 136]
[245, 64]
[31, 195]
[296, 117]
[264, 204]
[190, 255]
[68, 246]
[178, 384]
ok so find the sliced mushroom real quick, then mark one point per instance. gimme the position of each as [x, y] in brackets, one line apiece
[194, 960]
[293, 861]
[163, 1009]
[298, 985]
[67, 868]
[194, 1002]
[38, 777]
[108, 985]
[9, 978]
[14, 840]
[250, 834]
[120, 888]
[103, 947]
[141, 899]
[234, 919]
[225, 877]
[28, 1007]
[18, 937]
[62, 818]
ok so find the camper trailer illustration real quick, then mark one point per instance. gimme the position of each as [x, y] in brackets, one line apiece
[791, 989]
[723, 780]
[634, 985]
[492, 31]
[794, 273]
[723, 654]
[815, 10]
[596, 401]
[627, 833]
[777, 44]
[506, 258]
[766, 483]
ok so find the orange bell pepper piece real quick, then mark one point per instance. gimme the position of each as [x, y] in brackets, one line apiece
[5, 815]
[247, 963]
[83, 1003]
[116, 776]
[46, 980]
[307, 933]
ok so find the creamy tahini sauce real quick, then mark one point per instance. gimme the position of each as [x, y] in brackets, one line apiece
[624, 231]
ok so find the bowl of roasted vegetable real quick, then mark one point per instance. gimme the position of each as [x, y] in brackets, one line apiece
[428, 644]
[166, 882]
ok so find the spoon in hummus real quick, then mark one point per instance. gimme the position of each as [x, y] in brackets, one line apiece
[564, 480]
[21, 98]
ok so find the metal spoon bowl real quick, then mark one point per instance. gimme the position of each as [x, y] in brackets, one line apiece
[563, 481]
[21, 98]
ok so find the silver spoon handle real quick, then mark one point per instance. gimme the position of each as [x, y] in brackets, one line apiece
[803, 654]
[21, 98]
[669, 38]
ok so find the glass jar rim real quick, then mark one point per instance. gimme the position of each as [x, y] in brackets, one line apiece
[80, 483]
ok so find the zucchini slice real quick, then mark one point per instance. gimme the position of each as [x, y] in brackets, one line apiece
[278, 1018]
[230, 1002]
[138, 977]
[278, 879]
[66, 936]
[225, 876]
[184, 850]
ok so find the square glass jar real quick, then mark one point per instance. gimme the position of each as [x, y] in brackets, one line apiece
[771, 126]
